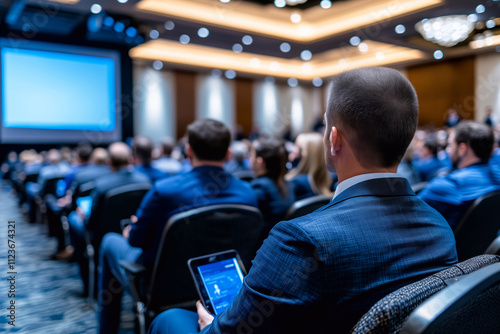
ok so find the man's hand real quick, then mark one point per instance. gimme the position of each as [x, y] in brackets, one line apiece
[126, 231]
[204, 318]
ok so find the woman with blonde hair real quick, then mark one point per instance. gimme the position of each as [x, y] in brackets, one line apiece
[311, 176]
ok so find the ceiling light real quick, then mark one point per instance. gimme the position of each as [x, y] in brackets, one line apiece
[203, 32]
[285, 47]
[255, 62]
[363, 47]
[400, 29]
[438, 54]
[247, 40]
[445, 30]
[96, 8]
[184, 39]
[325, 4]
[480, 9]
[169, 25]
[293, 82]
[237, 48]
[274, 66]
[295, 18]
[157, 65]
[472, 18]
[355, 40]
[225, 1]
[154, 34]
[380, 55]
[216, 73]
[295, 2]
[490, 24]
[122, 1]
[280, 3]
[317, 82]
[306, 55]
[230, 74]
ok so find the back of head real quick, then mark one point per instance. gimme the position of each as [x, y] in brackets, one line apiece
[99, 156]
[54, 156]
[431, 144]
[119, 155]
[479, 137]
[209, 139]
[376, 109]
[143, 148]
[84, 151]
[167, 146]
[312, 162]
[274, 154]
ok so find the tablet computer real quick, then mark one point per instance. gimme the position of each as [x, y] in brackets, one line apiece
[218, 278]
[85, 204]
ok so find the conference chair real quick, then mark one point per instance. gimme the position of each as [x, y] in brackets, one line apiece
[471, 304]
[388, 314]
[119, 203]
[494, 247]
[186, 235]
[306, 206]
[479, 227]
[49, 189]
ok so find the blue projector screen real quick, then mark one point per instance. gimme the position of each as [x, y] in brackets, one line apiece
[59, 94]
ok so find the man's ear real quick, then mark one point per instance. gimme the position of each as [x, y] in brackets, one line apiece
[229, 154]
[335, 140]
[462, 149]
[189, 151]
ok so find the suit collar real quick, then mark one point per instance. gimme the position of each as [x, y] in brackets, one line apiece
[391, 186]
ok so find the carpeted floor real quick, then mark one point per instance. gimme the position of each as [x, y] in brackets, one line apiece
[47, 292]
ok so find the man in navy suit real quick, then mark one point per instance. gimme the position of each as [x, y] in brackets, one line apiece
[206, 184]
[320, 273]
[470, 147]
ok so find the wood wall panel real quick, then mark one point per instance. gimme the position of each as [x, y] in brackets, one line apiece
[185, 97]
[244, 104]
[441, 86]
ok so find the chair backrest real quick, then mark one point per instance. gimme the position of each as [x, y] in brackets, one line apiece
[479, 227]
[389, 313]
[194, 233]
[469, 305]
[119, 203]
[494, 247]
[50, 186]
[306, 206]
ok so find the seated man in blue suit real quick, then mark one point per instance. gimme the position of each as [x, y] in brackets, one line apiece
[206, 184]
[470, 147]
[321, 272]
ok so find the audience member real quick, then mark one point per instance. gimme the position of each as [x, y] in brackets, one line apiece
[80, 222]
[425, 161]
[165, 162]
[489, 119]
[470, 147]
[321, 272]
[143, 149]
[239, 163]
[406, 169]
[207, 183]
[268, 159]
[453, 118]
[310, 177]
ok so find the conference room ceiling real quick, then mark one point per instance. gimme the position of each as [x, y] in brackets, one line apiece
[169, 31]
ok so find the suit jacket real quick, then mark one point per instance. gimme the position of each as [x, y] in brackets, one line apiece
[204, 185]
[454, 193]
[321, 272]
[106, 183]
[152, 172]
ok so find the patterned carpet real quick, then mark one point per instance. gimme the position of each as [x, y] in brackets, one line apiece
[47, 292]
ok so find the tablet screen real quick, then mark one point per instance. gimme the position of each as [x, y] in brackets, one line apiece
[222, 281]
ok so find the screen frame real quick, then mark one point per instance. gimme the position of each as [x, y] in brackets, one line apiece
[19, 135]
[193, 265]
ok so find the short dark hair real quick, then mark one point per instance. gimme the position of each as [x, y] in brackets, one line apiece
[143, 148]
[209, 139]
[167, 146]
[479, 137]
[376, 109]
[431, 144]
[84, 151]
[273, 152]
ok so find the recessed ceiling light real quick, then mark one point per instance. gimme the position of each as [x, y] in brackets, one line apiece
[438, 54]
[293, 82]
[480, 9]
[122, 1]
[490, 24]
[363, 47]
[325, 4]
[154, 34]
[295, 18]
[237, 48]
[355, 40]
[247, 40]
[225, 1]
[203, 32]
[306, 55]
[169, 25]
[400, 29]
[280, 3]
[96, 8]
[184, 39]
[317, 82]
[472, 18]
[230, 74]
[157, 65]
[285, 47]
